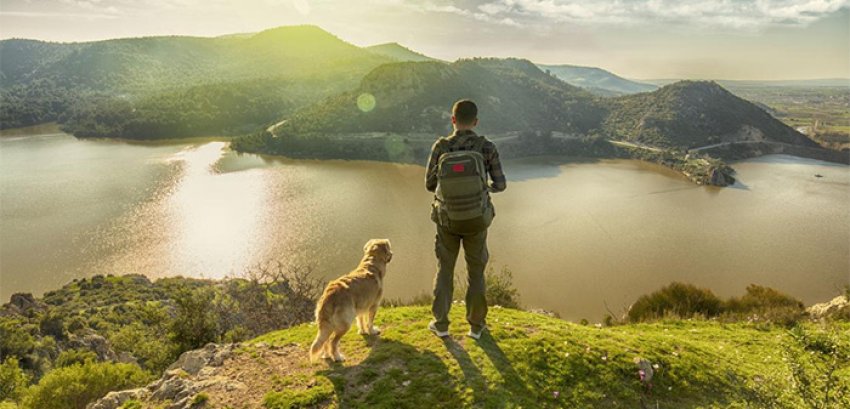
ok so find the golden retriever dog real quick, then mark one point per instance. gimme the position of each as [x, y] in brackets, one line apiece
[354, 295]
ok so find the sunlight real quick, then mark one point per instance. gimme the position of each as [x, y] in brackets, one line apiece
[215, 218]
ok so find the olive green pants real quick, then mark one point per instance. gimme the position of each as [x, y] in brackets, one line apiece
[447, 247]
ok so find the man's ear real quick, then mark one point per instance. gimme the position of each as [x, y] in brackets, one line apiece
[475, 123]
[454, 120]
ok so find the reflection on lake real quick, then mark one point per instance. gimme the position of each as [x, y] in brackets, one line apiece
[578, 234]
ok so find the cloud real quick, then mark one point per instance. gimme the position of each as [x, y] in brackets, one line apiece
[739, 14]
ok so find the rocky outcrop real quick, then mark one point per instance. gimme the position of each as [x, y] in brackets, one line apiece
[838, 307]
[23, 304]
[193, 372]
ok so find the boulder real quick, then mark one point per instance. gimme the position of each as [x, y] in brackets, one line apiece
[837, 307]
[114, 400]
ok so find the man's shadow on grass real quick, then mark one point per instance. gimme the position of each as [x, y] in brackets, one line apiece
[513, 383]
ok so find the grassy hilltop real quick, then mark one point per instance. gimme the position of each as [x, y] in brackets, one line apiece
[531, 361]
[126, 342]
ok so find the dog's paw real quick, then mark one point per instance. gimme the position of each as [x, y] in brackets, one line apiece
[374, 331]
[339, 358]
[362, 332]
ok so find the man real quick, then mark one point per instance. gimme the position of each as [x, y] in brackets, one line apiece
[457, 173]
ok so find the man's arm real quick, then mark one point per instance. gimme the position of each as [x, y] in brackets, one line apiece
[431, 172]
[494, 169]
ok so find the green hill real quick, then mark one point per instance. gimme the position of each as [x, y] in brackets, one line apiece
[597, 80]
[690, 114]
[413, 99]
[528, 360]
[151, 87]
[399, 52]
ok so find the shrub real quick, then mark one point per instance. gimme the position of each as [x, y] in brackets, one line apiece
[148, 344]
[74, 356]
[677, 299]
[195, 323]
[200, 400]
[131, 404]
[765, 304]
[500, 288]
[75, 386]
[419, 299]
[13, 380]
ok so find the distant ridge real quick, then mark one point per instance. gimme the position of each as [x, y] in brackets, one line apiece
[399, 52]
[597, 80]
[819, 82]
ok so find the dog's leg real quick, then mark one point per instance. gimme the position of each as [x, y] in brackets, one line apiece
[362, 324]
[373, 330]
[337, 336]
[320, 342]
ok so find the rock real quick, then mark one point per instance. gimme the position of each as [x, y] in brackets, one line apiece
[211, 355]
[24, 304]
[720, 177]
[192, 373]
[173, 388]
[95, 343]
[114, 400]
[838, 306]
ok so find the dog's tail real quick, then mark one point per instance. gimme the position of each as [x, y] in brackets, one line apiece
[325, 331]
[324, 313]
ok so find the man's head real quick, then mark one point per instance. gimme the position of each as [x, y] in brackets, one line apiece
[464, 114]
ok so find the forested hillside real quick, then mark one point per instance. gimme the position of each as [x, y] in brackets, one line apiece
[175, 86]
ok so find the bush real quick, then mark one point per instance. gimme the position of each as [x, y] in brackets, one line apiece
[678, 300]
[195, 324]
[76, 386]
[74, 357]
[150, 345]
[765, 304]
[13, 380]
[500, 288]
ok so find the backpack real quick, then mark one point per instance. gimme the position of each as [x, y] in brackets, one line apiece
[462, 197]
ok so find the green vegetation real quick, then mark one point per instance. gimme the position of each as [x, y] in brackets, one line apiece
[756, 350]
[531, 360]
[13, 380]
[680, 300]
[75, 386]
[107, 333]
[821, 111]
[398, 52]
[691, 114]
[596, 80]
[289, 398]
[166, 87]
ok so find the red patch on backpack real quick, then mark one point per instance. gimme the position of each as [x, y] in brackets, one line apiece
[457, 168]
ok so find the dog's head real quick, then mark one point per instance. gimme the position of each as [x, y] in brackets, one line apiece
[379, 248]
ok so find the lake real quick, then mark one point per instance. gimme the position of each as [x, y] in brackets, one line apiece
[580, 235]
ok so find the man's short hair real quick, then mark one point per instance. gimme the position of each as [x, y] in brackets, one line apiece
[465, 111]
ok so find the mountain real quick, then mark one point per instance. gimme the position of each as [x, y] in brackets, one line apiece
[81, 84]
[597, 80]
[512, 95]
[690, 114]
[399, 52]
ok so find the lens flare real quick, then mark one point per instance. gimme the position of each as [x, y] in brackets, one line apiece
[366, 102]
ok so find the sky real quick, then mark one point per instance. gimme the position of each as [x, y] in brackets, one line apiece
[639, 39]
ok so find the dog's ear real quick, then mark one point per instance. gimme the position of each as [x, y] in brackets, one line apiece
[367, 248]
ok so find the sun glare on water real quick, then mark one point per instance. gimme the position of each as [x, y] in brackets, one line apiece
[215, 217]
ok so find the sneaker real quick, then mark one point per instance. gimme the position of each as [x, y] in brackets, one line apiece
[475, 335]
[433, 328]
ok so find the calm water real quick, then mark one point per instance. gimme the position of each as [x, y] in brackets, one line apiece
[577, 234]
